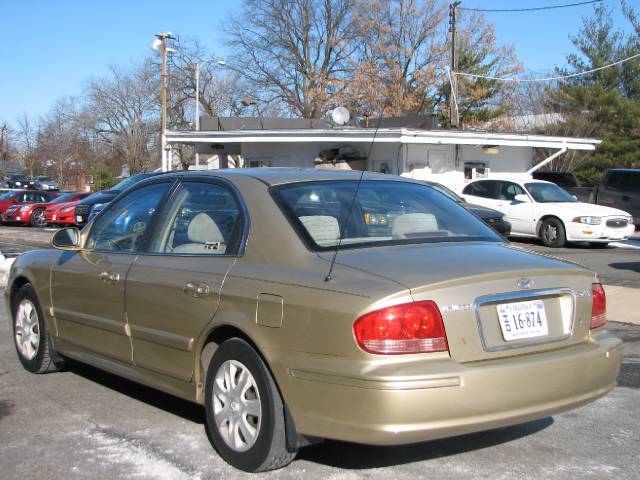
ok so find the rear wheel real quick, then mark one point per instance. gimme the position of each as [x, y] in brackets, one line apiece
[245, 413]
[552, 233]
[31, 339]
[37, 218]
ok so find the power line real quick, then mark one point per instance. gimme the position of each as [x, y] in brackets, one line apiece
[533, 9]
[547, 79]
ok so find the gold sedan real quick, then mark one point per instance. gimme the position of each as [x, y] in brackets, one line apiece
[300, 305]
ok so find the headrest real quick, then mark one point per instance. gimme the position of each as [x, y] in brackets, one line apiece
[202, 229]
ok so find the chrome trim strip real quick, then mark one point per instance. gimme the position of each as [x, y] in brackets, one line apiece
[523, 296]
[415, 384]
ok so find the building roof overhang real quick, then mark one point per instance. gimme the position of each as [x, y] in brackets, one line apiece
[382, 135]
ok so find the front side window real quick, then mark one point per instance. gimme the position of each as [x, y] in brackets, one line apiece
[384, 212]
[122, 226]
[201, 219]
[509, 190]
[548, 193]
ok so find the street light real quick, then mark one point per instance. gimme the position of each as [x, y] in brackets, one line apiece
[160, 44]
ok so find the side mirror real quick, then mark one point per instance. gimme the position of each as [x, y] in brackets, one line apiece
[66, 239]
[521, 198]
[574, 197]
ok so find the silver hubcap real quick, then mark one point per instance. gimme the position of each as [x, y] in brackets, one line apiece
[551, 233]
[27, 329]
[236, 405]
[38, 217]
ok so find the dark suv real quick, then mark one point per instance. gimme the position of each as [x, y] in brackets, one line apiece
[99, 200]
[620, 188]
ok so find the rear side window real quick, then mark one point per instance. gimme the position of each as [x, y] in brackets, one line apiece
[616, 181]
[632, 182]
[485, 189]
[200, 219]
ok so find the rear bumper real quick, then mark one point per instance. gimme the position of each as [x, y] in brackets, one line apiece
[453, 400]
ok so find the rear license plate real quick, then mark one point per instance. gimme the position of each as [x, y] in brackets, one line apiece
[79, 218]
[521, 320]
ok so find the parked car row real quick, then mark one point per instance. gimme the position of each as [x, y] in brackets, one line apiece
[36, 207]
[40, 182]
[44, 207]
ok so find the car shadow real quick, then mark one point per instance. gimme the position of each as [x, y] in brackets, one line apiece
[182, 408]
[633, 266]
[363, 457]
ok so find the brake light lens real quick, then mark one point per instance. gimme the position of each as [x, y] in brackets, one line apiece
[415, 327]
[599, 308]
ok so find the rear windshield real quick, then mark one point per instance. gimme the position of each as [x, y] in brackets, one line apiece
[383, 213]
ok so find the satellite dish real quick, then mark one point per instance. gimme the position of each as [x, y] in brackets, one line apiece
[340, 115]
[156, 44]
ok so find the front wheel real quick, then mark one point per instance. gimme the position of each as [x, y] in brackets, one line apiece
[30, 335]
[245, 413]
[37, 218]
[552, 233]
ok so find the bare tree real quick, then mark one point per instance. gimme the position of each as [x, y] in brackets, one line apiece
[400, 50]
[27, 141]
[124, 110]
[296, 52]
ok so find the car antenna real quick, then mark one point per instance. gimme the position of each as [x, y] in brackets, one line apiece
[355, 194]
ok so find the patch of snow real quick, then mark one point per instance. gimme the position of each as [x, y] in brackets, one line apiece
[142, 462]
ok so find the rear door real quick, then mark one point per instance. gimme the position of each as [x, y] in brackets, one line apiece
[173, 289]
[612, 189]
[630, 198]
[88, 286]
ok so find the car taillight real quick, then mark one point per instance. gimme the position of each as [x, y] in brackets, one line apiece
[599, 308]
[408, 328]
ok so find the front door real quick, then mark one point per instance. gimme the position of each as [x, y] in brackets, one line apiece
[88, 287]
[519, 214]
[173, 289]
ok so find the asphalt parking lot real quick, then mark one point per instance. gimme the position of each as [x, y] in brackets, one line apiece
[83, 423]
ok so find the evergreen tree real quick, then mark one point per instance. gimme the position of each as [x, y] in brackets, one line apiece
[607, 101]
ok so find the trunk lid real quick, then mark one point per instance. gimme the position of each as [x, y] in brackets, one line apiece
[474, 283]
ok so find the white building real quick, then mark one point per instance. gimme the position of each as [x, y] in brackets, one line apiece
[446, 156]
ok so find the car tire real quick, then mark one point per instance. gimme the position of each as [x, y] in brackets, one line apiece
[30, 336]
[552, 233]
[261, 445]
[599, 244]
[37, 218]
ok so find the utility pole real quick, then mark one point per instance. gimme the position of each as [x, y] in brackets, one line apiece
[197, 111]
[453, 108]
[161, 44]
[3, 153]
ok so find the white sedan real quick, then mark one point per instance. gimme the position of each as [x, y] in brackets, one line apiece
[542, 209]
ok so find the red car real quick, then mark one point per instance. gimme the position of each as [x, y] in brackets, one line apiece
[24, 206]
[60, 211]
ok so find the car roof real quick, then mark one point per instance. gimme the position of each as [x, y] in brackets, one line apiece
[518, 180]
[272, 176]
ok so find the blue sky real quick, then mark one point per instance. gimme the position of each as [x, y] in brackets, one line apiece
[50, 48]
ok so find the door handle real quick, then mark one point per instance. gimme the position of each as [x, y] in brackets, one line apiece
[110, 278]
[196, 289]
[625, 198]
